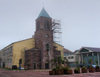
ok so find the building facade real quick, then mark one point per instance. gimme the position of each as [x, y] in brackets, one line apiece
[36, 52]
[44, 50]
[11, 55]
[6, 56]
[45, 32]
[89, 56]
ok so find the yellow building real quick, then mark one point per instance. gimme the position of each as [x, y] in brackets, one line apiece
[11, 54]
[15, 55]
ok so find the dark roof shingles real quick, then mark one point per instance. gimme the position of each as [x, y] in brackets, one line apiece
[93, 49]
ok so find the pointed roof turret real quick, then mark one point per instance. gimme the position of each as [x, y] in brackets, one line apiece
[43, 13]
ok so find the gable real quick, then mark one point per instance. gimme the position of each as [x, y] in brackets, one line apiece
[84, 50]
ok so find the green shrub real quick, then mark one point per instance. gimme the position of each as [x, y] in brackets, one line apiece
[77, 70]
[84, 68]
[54, 69]
[91, 69]
[97, 67]
[66, 68]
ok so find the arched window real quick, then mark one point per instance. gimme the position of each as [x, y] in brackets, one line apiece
[47, 47]
[20, 61]
[47, 25]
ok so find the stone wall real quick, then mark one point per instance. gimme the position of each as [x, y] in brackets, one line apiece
[32, 59]
[6, 57]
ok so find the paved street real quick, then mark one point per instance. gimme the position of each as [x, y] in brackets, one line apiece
[31, 73]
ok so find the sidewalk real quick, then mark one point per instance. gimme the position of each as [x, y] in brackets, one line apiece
[41, 73]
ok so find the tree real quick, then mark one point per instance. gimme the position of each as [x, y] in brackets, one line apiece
[90, 61]
[97, 62]
[57, 61]
[66, 61]
[77, 64]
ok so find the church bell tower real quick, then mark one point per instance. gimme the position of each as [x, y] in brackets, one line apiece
[44, 38]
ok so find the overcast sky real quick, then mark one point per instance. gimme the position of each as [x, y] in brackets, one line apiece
[80, 20]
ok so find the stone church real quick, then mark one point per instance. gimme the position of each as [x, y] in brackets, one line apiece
[36, 52]
[44, 51]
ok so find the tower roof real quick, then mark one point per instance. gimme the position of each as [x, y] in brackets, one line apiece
[43, 13]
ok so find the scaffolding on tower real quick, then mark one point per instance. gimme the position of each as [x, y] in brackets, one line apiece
[57, 33]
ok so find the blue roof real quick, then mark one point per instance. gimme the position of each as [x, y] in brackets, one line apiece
[43, 13]
[93, 49]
